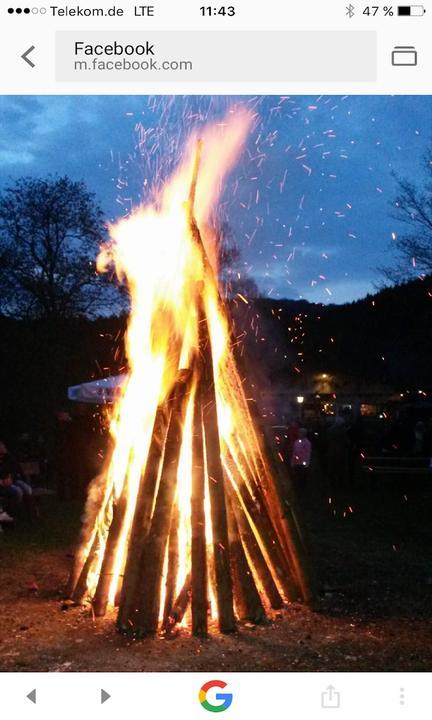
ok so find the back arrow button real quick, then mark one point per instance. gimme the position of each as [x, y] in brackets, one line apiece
[25, 56]
[32, 696]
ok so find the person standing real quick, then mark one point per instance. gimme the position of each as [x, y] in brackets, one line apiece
[292, 434]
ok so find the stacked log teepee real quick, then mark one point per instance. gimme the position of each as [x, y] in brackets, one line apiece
[256, 560]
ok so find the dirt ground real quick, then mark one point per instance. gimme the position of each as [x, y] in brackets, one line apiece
[372, 552]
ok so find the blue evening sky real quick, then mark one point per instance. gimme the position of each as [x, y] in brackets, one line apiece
[309, 202]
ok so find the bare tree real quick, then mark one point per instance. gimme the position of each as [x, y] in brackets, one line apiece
[232, 279]
[50, 232]
[413, 207]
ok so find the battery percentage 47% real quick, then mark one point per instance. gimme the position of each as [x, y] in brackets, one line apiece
[373, 10]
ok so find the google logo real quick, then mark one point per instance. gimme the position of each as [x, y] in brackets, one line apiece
[226, 698]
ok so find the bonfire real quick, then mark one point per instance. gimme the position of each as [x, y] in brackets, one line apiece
[188, 525]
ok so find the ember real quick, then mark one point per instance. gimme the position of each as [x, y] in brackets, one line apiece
[189, 512]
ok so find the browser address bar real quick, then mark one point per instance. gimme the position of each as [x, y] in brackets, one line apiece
[211, 56]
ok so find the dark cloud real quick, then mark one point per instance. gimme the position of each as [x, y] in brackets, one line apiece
[309, 202]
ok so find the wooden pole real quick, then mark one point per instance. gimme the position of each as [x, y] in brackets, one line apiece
[149, 585]
[266, 475]
[280, 504]
[290, 535]
[80, 559]
[179, 606]
[198, 522]
[173, 564]
[95, 513]
[93, 557]
[224, 592]
[100, 600]
[81, 587]
[285, 517]
[265, 530]
[246, 595]
[257, 558]
[142, 519]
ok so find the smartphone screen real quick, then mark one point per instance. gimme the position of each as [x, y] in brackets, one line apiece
[216, 397]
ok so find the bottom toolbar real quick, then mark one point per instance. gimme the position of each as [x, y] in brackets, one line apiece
[195, 695]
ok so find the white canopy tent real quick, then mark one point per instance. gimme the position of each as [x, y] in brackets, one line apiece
[97, 392]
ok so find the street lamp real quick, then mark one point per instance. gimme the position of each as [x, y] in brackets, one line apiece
[300, 401]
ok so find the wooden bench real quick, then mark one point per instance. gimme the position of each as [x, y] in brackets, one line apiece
[397, 465]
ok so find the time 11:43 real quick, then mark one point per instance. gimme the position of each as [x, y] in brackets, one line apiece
[210, 10]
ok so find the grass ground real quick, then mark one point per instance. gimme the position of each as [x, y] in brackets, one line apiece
[374, 564]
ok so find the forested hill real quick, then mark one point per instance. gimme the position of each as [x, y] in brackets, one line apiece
[385, 337]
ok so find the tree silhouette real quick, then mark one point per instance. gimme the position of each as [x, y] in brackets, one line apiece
[232, 278]
[50, 232]
[413, 207]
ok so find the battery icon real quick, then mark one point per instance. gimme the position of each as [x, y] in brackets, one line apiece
[411, 10]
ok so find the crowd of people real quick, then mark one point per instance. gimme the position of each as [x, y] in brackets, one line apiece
[340, 444]
[15, 491]
[31, 467]
[79, 442]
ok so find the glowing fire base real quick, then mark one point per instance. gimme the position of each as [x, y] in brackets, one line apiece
[188, 524]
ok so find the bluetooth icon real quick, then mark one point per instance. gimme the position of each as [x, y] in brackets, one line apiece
[350, 10]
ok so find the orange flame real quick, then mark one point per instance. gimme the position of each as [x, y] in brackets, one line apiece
[167, 272]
